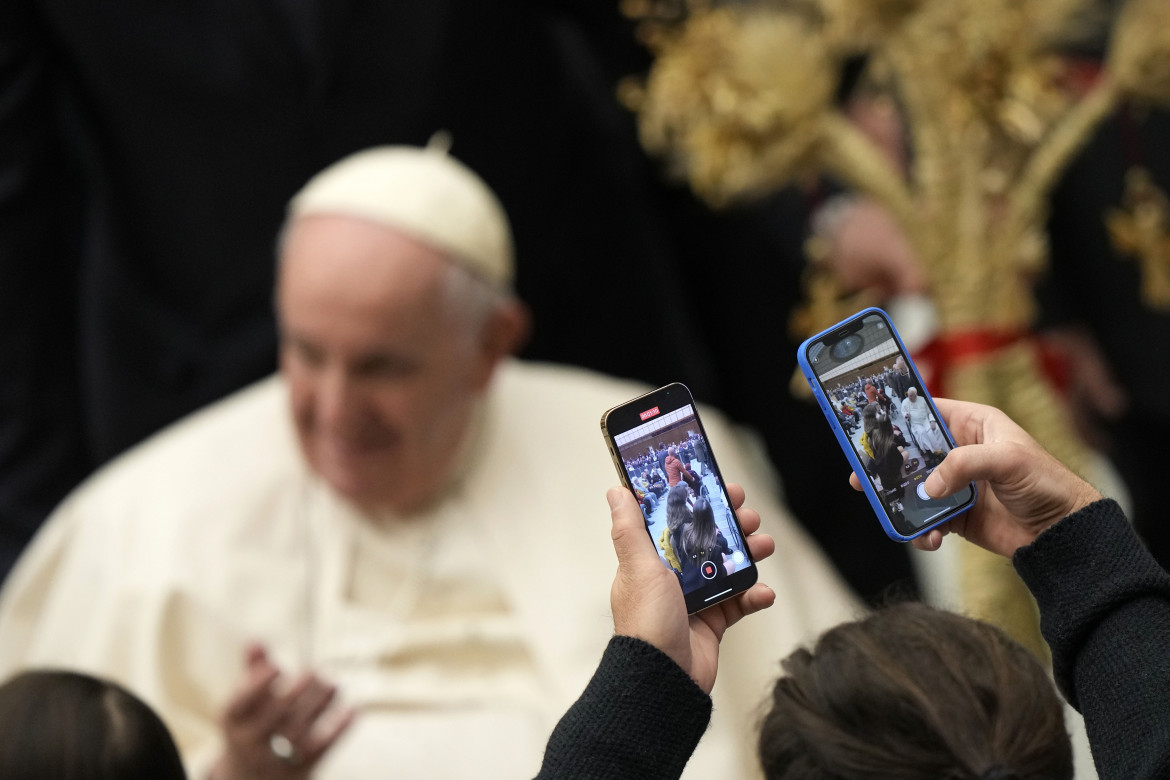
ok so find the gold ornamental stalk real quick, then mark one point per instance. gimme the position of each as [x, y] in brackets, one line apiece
[740, 100]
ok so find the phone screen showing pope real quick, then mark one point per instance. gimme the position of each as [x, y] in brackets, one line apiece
[662, 454]
[884, 419]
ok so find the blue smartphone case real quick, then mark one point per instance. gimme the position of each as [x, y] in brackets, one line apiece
[875, 500]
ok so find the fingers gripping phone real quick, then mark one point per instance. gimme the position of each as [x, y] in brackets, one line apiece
[662, 455]
[884, 419]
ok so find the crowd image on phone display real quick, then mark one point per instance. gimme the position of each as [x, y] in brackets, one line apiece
[663, 455]
[875, 399]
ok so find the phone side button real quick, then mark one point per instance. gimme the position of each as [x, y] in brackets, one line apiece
[617, 461]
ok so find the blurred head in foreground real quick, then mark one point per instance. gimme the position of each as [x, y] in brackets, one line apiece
[914, 692]
[61, 725]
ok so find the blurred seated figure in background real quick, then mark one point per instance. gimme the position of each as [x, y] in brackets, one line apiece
[392, 513]
[846, 420]
[646, 495]
[60, 725]
[656, 482]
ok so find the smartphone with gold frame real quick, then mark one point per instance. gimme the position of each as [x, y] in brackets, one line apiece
[663, 455]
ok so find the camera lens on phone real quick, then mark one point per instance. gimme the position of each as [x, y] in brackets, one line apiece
[847, 347]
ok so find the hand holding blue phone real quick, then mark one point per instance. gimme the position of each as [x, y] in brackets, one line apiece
[885, 421]
[1024, 489]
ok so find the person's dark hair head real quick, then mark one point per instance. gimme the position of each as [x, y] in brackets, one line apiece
[678, 513]
[67, 726]
[703, 514]
[702, 533]
[913, 692]
[881, 435]
[869, 418]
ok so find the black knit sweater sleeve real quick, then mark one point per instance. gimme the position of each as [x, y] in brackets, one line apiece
[641, 716]
[1105, 611]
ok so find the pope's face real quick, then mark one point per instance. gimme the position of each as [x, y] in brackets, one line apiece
[382, 373]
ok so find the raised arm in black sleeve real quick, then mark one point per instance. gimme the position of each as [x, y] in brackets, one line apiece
[1105, 611]
[640, 716]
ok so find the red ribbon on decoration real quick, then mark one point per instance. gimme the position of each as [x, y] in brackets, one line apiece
[943, 354]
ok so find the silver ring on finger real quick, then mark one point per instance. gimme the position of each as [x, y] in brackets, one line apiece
[282, 747]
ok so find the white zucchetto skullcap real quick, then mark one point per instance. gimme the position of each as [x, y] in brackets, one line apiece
[424, 193]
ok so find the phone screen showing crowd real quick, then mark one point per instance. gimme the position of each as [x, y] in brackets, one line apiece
[877, 396]
[670, 467]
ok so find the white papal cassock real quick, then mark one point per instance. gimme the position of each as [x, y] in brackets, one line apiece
[461, 636]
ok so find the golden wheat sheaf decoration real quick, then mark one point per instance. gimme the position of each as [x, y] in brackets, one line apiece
[740, 101]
